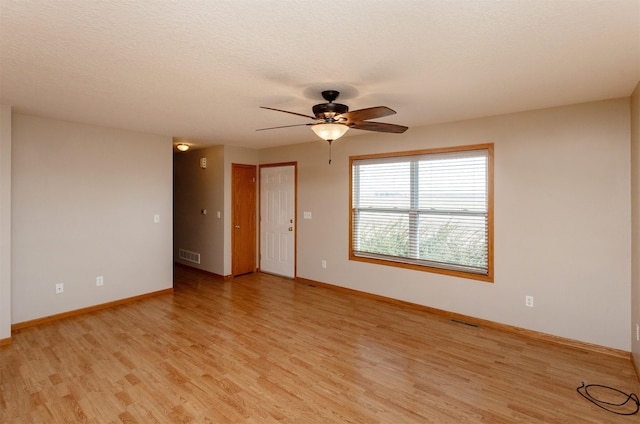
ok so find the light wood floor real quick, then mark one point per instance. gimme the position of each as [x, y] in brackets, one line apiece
[262, 349]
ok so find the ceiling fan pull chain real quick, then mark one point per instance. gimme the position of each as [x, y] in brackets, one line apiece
[329, 152]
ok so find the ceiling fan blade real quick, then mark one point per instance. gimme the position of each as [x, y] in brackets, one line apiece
[378, 126]
[368, 113]
[284, 126]
[286, 111]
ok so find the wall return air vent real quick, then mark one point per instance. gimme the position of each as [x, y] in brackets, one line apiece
[189, 256]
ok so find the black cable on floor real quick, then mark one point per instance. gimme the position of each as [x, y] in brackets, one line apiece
[608, 406]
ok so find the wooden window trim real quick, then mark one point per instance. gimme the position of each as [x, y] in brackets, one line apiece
[489, 277]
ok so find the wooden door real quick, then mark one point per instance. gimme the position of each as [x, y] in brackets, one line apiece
[277, 220]
[243, 219]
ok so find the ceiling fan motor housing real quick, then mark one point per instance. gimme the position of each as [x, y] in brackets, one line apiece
[329, 110]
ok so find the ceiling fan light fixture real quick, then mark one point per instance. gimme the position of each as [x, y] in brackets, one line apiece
[182, 147]
[329, 132]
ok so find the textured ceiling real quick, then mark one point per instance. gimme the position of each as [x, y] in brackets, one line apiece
[199, 70]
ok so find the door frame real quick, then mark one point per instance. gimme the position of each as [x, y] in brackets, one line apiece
[295, 212]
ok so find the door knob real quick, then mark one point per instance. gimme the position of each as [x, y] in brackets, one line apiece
[237, 226]
[290, 228]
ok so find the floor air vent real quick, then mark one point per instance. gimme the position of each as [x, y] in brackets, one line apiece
[469, 324]
[189, 256]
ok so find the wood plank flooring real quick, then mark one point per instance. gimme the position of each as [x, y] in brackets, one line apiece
[263, 349]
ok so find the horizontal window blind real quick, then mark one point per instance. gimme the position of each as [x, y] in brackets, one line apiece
[428, 209]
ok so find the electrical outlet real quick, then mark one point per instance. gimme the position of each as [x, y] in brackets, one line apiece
[638, 332]
[99, 281]
[528, 301]
[59, 288]
[324, 263]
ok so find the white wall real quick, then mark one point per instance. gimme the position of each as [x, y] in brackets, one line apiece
[5, 222]
[562, 221]
[635, 223]
[84, 200]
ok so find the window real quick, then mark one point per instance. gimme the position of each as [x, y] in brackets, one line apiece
[429, 210]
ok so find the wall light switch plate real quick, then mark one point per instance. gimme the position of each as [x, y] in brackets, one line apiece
[307, 215]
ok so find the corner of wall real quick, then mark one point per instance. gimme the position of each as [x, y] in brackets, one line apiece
[5, 223]
[635, 227]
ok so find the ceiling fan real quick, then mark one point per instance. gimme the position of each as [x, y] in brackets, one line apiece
[333, 120]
